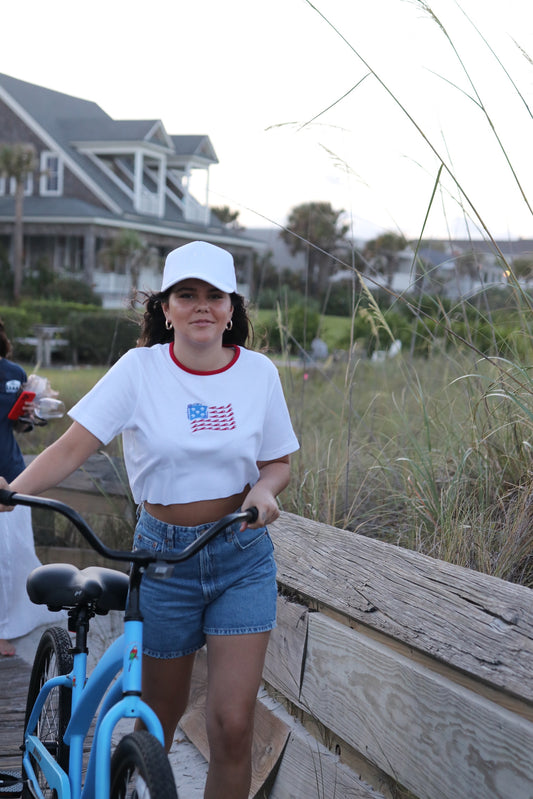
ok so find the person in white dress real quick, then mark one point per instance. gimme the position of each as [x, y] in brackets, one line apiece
[18, 615]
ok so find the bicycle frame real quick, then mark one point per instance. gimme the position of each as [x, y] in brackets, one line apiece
[120, 699]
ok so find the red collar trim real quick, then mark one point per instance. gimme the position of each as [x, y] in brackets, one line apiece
[237, 352]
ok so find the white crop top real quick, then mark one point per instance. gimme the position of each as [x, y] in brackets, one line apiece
[189, 436]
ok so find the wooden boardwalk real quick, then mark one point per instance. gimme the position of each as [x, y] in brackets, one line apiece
[187, 763]
[14, 678]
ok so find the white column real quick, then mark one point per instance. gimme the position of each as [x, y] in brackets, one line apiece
[161, 184]
[186, 187]
[206, 209]
[138, 180]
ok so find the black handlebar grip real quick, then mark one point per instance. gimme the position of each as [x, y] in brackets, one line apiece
[253, 513]
[6, 496]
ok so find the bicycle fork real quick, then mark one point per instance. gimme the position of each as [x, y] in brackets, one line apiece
[123, 701]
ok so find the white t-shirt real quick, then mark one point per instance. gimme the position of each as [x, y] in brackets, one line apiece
[189, 436]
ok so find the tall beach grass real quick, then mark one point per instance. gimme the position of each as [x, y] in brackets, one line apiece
[433, 453]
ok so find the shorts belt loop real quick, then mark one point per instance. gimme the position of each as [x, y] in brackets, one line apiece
[169, 538]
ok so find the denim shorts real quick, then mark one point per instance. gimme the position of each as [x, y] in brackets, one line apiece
[228, 588]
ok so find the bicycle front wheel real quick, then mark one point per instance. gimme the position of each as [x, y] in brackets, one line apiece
[52, 658]
[140, 769]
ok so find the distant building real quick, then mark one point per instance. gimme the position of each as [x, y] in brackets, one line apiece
[281, 256]
[96, 176]
[448, 268]
[462, 267]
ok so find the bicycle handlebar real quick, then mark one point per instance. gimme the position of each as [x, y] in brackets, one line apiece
[133, 556]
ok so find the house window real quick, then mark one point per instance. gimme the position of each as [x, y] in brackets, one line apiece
[51, 182]
[11, 185]
[28, 184]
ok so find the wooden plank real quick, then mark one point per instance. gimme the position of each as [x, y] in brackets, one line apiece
[310, 770]
[474, 622]
[286, 649]
[14, 679]
[270, 733]
[435, 737]
[90, 502]
[99, 473]
[82, 558]
[99, 486]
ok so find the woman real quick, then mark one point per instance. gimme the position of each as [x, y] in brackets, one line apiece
[17, 552]
[206, 431]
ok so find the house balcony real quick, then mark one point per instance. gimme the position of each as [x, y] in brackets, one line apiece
[195, 211]
[115, 288]
[149, 204]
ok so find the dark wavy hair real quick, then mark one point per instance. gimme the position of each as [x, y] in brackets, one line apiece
[5, 344]
[153, 330]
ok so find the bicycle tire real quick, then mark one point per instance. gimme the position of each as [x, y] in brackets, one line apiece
[52, 658]
[140, 769]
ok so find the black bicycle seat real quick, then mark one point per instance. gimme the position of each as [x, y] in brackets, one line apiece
[63, 586]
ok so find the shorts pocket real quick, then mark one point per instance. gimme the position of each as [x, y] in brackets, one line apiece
[143, 539]
[250, 538]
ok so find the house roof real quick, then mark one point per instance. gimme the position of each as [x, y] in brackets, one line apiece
[78, 127]
[84, 133]
[97, 129]
[510, 248]
[436, 257]
[66, 118]
[198, 146]
[282, 258]
[64, 207]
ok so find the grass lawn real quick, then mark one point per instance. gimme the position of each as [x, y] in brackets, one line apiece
[429, 453]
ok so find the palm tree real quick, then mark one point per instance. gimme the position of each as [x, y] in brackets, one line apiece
[229, 218]
[126, 254]
[16, 162]
[382, 254]
[314, 227]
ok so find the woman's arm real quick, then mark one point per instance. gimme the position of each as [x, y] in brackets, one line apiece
[55, 463]
[273, 478]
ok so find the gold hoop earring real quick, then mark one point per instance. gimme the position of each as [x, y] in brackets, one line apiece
[229, 326]
[168, 324]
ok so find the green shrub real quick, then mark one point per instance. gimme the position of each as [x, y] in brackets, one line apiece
[18, 322]
[73, 290]
[340, 300]
[270, 298]
[95, 336]
[54, 312]
[293, 331]
[100, 337]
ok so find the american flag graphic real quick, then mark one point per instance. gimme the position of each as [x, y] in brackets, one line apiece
[210, 417]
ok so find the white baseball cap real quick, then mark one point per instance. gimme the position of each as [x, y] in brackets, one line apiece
[202, 261]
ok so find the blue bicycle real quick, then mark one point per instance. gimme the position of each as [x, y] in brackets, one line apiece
[63, 701]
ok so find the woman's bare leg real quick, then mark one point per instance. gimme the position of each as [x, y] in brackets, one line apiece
[165, 688]
[235, 666]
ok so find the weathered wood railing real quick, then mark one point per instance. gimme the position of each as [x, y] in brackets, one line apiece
[389, 669]
[411, 666]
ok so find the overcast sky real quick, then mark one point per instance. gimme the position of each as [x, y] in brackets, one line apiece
[265, 80]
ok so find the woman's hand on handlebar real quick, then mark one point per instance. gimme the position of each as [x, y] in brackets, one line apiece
[265, 502]
[273, 478]
[5, 485]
